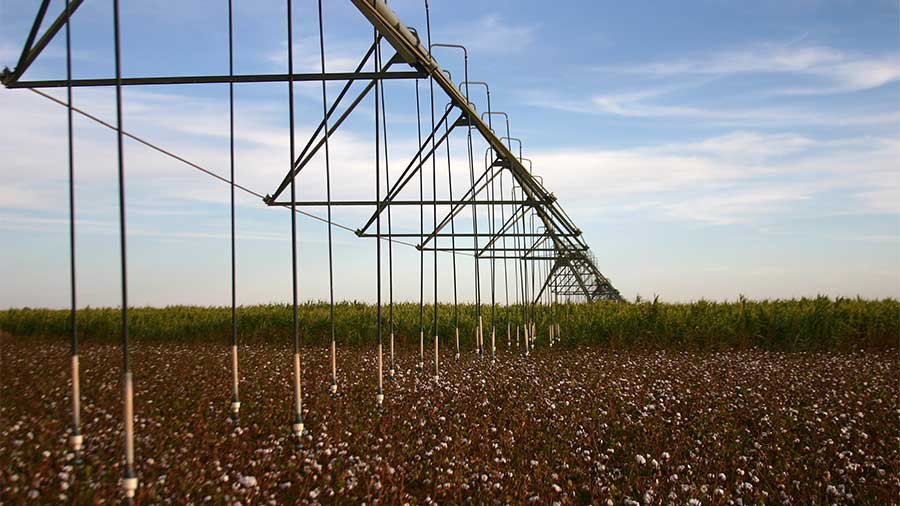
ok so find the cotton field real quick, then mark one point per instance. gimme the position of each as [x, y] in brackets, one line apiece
[561, 426]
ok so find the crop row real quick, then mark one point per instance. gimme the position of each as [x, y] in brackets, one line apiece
[798, 324]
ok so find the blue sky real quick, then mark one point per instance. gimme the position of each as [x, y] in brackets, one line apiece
[707, 149]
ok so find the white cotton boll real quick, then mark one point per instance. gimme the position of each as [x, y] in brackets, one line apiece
[248, 481]
[640, 459]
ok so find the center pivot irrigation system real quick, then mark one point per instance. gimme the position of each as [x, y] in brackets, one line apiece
[521, 222]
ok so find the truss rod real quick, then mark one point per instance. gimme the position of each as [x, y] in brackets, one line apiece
[320, 203]
[411, 169]
[455, 234]
[221, 79]
[30, 53]
[298, 163]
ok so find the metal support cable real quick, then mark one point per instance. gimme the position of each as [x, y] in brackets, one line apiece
[387, 179]
[121, 174]
[492, 218]
[474, 216]
[453, 245]
[129, 479]
[533, 269]
[434, 193]
[516, 266]
[328, 198]
[71, 155]
[503, 220]
[75, 438]
[297, 426]
[235, 378]
[490, 168]
[379, 395]
[421, 363]
[522, 273]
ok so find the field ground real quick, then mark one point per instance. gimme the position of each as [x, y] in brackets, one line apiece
[576, 425]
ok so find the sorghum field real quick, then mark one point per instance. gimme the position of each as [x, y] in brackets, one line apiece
[608, 422]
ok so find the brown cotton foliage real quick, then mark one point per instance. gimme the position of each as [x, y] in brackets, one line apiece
[570, 426]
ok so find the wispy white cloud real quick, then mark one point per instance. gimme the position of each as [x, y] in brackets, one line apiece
[735, 205]
[22, 221]
[654, 103]
[680, 88]
[837, 70]
[738, 177]
[340, 56]
[495, 34]
[746, 144]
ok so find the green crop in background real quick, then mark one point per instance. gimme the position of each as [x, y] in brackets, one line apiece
[803, 324]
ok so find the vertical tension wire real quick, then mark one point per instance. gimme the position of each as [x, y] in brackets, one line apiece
[503, 245]
[452, 242]
[129, 479]
[479, 336]
[421, 363]
[434, 195]
[521, 245]
[387, 182]
[235, 381]
[379, 394]
[492, 214]
[76, 440]
[297, 426]
[334, 386]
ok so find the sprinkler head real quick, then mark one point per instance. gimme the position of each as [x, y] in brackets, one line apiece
[129, 485]
[77, 442]
[297, 428]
